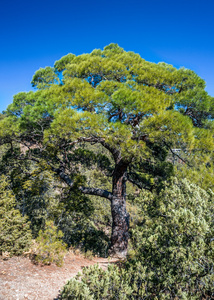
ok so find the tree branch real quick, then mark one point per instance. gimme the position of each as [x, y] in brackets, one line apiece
[84, 190]
[96, 192]
[177, 155]
[115, 152]
[138, 183]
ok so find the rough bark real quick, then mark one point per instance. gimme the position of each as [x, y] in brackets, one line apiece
[120, 217]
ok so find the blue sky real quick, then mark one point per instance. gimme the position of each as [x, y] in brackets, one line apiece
[35, 34]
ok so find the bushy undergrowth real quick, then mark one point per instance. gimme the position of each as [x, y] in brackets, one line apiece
[174, 243]
[15, 234]
[98, 284]
[84, 235]
[172, 251]
[49, 247]
[75, 289]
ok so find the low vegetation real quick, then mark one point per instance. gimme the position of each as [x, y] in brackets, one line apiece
[171, 256]
[49, 247]
[15, 233]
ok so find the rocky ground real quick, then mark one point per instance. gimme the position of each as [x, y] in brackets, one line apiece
[20, 279]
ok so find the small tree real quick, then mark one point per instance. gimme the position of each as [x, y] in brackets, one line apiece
[15, 234]
[49, 246]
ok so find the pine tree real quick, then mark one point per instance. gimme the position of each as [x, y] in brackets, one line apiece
[137, 111]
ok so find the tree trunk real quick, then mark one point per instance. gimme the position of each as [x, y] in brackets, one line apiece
[120, 217]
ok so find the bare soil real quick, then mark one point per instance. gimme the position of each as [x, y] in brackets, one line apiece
[20, 279]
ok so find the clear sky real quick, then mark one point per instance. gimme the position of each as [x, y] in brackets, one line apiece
[35, 34]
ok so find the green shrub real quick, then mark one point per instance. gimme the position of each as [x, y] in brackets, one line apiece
[88, 254]
[99, 284]
[49, 246]
[82, 233]
[15, 234]
[76, 290]
[174, 244]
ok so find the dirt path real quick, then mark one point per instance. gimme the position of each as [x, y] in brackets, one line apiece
[22, 280]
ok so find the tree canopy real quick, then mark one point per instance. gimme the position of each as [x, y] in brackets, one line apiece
[147, 117]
